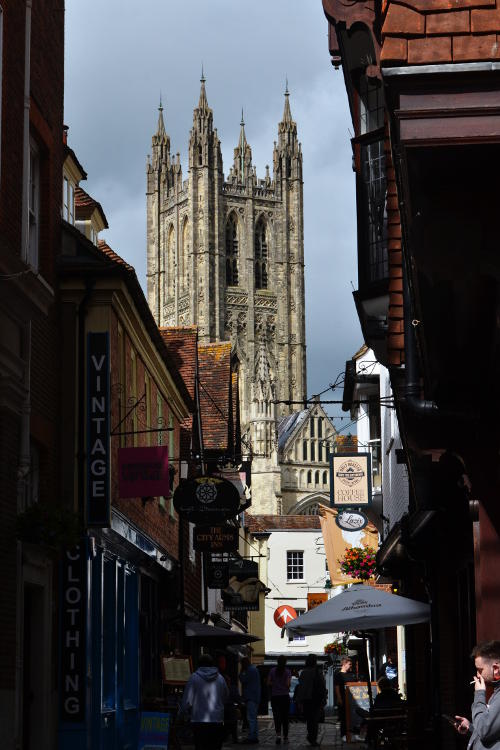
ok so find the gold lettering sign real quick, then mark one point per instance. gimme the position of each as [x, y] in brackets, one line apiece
[351, 480]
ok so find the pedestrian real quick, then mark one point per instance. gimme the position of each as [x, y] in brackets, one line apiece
[231, 710]
[311, 694]
[250, 692]
[279, 686]
[340, 678]
[204, 697]
[389, 668]
[485, 725]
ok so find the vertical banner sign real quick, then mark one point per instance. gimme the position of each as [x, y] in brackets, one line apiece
[73, 682]
[98, 429]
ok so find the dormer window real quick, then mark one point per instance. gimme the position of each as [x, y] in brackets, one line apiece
[68, 200]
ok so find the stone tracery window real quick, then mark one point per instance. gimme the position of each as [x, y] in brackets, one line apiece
[261, 257]
[183, 259]
[232, 251]
[171, 261]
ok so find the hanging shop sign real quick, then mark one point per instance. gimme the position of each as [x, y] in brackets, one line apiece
[98, 429]
[350, 479]
[314, 600]
[351, 520]
[215, 538]
[143, 472]
[73, 673]
[244, 587]
[217, 575]
[283, 615]
[207, 500]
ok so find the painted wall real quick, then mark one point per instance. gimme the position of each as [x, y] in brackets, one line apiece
[295, 592]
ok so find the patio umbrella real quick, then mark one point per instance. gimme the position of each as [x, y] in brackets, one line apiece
[360, 608]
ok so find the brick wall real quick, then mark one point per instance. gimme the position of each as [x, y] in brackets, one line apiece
[424, 32]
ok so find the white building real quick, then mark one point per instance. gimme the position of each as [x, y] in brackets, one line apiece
[296, 566]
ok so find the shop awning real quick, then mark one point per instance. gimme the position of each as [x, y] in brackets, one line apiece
[212, 635]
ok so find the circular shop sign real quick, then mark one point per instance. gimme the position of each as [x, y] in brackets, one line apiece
[284, 614]
[207, 500]
[351, 520]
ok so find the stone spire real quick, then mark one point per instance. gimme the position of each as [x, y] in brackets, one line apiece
[287, 114]
[160, 140]
[242, 155]
[203, 102]
[287, 156]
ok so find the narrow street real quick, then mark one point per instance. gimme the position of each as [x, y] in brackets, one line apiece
[328, 736]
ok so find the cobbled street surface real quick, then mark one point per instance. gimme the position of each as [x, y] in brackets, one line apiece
[328, 737]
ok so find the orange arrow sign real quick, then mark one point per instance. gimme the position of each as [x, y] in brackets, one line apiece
[284, 614]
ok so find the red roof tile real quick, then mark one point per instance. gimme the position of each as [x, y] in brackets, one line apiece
[215, 394]
[181, 343]
[85, 206]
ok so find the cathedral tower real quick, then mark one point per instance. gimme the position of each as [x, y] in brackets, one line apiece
[228, 256]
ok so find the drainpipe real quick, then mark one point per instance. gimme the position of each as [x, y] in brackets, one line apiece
[412, 382]
[82, 312]
[26, 135]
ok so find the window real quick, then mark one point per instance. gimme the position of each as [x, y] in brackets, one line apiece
[33, 206]
[297, 637]
[68, 201]
[320, 427]
[304, 450]
[374, 185]
[309, 477]
[260, 255]
[171, 261]
[311, 427]
[316, 477]
[200, 155]
[313, 451]
[325, 477]
[295, 566]
[183, 261]
[320, 451]
[232, 251]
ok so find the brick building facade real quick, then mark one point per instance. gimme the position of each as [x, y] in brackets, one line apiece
[30, 196]
[422, 80]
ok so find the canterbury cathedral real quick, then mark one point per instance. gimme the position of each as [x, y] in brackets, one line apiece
[226, 253]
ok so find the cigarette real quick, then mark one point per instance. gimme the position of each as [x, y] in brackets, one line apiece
[472, 681]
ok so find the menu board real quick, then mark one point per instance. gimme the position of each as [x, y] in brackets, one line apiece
[176, 670]
[357, 701]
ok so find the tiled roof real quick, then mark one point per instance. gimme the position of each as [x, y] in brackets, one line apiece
[103, 246]
[181, 344]
[214, 367]
[85, 206]
[263, 523]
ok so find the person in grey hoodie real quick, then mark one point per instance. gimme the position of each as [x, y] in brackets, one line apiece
[204, 696]
[485, 724]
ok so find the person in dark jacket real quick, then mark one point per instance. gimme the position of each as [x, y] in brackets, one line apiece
[279, 688]
[250, 692]
[312, 693]
[204, 697]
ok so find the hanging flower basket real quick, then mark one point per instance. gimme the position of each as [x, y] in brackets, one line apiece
[358, 563]
[335, 648]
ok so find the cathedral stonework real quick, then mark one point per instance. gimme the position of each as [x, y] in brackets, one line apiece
[227, 255]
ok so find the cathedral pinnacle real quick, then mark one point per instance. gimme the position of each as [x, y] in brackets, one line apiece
[203, 103]
[161, 125]
[287, 114]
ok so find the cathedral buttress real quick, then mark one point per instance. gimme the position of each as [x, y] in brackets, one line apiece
[287, 162]
[207, 269]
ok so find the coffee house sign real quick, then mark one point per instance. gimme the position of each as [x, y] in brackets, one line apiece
[350, 475]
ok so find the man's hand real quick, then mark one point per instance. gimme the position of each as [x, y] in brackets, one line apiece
[479, 683]
[462, 724]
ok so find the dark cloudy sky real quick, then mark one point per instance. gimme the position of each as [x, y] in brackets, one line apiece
[121, 54]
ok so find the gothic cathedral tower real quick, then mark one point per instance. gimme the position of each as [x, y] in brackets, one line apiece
[228, 256]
